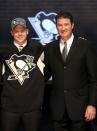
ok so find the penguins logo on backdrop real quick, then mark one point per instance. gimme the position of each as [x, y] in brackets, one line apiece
[44, 26]
[20, 67]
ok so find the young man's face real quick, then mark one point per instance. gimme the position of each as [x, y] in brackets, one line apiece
[19, 34]
[64, 27]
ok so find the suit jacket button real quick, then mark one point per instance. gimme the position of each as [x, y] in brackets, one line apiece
[65, 91]
[64, 67]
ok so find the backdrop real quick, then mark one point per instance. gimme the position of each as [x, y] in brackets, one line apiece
[40, 17]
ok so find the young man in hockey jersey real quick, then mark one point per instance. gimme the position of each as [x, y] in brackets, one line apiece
[23, 83]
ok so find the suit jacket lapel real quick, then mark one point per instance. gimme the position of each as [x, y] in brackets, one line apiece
[70, 54]
[72, 50]
[58, 52]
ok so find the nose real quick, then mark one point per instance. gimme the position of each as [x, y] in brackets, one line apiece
[63, 27]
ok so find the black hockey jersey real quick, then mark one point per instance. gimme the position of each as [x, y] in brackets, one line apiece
[23, 82]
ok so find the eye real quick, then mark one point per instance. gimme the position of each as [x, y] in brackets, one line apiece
[59, 25]
[15, 31]
[66, 24]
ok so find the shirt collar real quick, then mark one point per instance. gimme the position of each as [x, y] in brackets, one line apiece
[23, 45]
[69, 41]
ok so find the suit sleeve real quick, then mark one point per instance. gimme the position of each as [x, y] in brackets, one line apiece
[47, 70]
[91, 61]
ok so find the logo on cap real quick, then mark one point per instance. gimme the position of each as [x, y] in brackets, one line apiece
[18, 21]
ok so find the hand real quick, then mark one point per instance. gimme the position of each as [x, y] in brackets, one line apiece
[90, 113]
[81, 37]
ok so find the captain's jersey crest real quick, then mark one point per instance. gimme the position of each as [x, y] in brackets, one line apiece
[20, 67]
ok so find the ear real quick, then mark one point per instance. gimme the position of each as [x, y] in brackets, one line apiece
[11, 32]
[72, 25]
[27, 31]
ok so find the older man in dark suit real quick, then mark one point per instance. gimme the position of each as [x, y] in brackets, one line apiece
[72, 62]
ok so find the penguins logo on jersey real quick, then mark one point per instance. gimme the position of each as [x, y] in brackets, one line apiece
[20, 66]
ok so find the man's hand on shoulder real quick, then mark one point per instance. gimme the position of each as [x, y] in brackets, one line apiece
[82, 38]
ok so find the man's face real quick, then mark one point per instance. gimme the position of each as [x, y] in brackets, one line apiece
[19, 34]
[64, 27]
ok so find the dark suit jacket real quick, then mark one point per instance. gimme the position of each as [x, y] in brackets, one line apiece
[74, 81]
